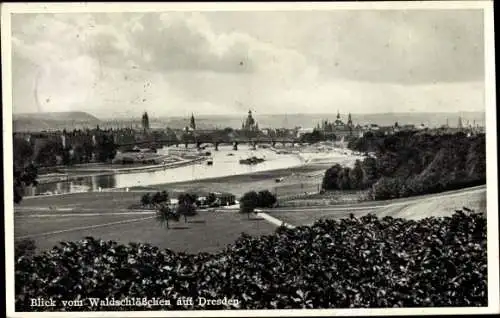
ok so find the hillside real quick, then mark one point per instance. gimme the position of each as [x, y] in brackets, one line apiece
[53, 120]
[410, 164]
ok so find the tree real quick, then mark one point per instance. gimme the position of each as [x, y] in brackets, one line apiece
[356, 176]
[211, 198]
[66, 157]
[106, 148]
[78, 154]
[421, 162]
[47, 155]
[331, 178]
[249, 202]
[266, 199]
[370, 171]
[24, 248]
[228, 130]
[164, 214]
[344, 181]
[23, 177]
[164, 196]
[314, 137]
[88, 150]
[186, 205]
[156, 198]
[22, 151]
[387, 188]
[146, 200]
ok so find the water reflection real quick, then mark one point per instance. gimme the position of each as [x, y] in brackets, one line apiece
[225, 163]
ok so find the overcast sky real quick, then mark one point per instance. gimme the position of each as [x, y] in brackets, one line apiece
[228, 62]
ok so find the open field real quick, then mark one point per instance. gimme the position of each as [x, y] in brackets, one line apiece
[105, 215]
[37, 225]
[436, 205]
[239, 184]
[206, 232]
[90, 200]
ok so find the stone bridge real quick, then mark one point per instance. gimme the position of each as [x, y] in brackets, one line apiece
[199, 142]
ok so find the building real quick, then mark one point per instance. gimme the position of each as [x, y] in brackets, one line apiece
[250, 124]
[145, 122]
[339, 128]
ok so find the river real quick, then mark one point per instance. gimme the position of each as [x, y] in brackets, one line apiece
[225, 163]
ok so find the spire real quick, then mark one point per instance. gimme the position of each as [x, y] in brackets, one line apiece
[145, 121]
[349, 120]
[460, 122]
[338, 114]
[192, 122]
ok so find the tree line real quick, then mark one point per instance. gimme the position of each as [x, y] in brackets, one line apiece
[412, 163]
[252, 200]
[160, 201]
[53, 152]
[27, 160]
[315, 136]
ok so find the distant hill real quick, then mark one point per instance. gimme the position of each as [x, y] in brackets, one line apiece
[51, 121]
[71, 120]
[311, 120]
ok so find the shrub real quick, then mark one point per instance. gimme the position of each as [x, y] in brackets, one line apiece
[354, 262]
[266, 199]
[186, 205]
[332, 177]
[146, 200]
[249, 202]
[25, 247]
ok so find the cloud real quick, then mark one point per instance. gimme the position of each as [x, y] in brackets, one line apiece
[409, 46]
[228, 62]
[355, 97]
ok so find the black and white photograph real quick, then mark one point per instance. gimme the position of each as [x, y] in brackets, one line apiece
[228, 159]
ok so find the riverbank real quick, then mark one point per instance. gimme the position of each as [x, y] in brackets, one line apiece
[72, 174]
[286, 174]
[293, 181]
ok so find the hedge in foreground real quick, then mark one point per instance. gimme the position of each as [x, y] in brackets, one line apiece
[365, 262]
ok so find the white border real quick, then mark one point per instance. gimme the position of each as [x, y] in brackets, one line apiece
[491, 142]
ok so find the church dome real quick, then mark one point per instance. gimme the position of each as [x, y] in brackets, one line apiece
[250, 123]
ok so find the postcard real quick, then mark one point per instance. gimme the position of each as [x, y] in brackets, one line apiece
[250, 159]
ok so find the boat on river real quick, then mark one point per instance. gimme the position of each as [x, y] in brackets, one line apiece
[251, 161]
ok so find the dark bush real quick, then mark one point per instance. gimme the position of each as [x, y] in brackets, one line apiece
[25, 247]
[355, 262]
[266, 199]
[249, 202]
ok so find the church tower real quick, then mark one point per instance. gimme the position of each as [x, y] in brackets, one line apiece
[338, 121]
[145, 122]
[349, 120]
[192, 122]
[250, 122]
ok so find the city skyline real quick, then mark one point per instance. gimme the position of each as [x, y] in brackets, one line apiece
[376, 61]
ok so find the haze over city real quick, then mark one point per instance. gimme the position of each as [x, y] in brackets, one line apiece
[173, 64]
